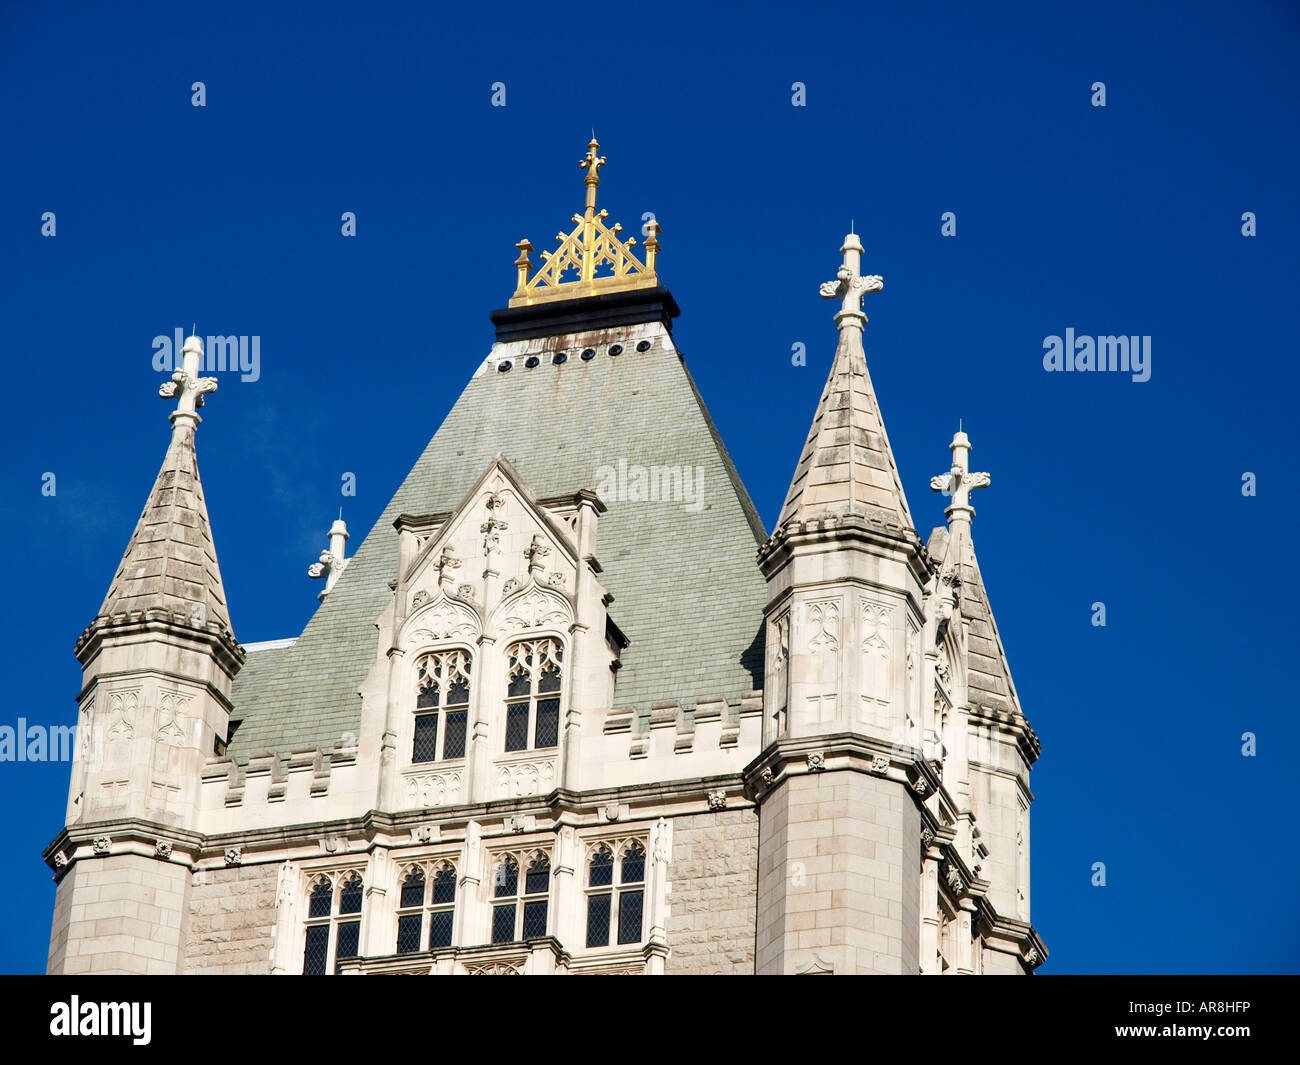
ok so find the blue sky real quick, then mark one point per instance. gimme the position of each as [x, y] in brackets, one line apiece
[1117, 220]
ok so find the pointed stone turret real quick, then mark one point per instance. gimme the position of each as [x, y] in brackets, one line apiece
[170, 563]
[984, 746]
[157, 661]
[847, 466]
[843, 687]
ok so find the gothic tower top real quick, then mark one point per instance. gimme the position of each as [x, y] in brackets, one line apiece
[592, 259]
[169, 570]
[847, 466]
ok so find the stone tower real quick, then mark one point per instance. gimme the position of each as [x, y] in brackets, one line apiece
[893, 783]
[839, 827]
[157, 662]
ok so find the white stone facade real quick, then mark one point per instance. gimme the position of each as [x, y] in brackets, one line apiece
[863, 809]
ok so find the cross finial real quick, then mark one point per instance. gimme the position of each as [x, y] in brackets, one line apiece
[850, 285]
[592, 164]
[188, 388]
[959, 482]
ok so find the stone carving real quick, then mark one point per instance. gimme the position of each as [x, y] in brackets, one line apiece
[535, 609]
[60, 860]
[535, 552]
[611, 811]
[718, 799]
[659, 849]
[850, 285]
[499, 968]
[162, 848]
[954, 879]
[511, 586]
[171, 707]
[877, 663]
[816, 761]
[433, 789]
[824, 646]
[491, 530]
[447, 621]
[101, 844]
[920, 786]
[234, 856]
[943, 668]
[879, 764]
[556, 580]
[767, 776]
[927, 837]
[419, 599]
[446, 564]
[286, 887]
[1031, 957]
[465, 591]
[424, 833]
[525, 778]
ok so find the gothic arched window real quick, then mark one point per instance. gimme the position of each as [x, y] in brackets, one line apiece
[441, 706]
[519, 904]
[615, 894]
[430, 904]
[533, 682]
[333, 923]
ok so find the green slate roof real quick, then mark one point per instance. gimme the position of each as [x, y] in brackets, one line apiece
[687, 592]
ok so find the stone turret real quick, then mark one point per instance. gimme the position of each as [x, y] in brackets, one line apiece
[157, 664]
[839, 779]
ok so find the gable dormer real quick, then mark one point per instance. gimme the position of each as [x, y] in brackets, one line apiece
[497, 641]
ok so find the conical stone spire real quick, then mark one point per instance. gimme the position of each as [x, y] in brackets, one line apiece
[170, 563]
[847, 466]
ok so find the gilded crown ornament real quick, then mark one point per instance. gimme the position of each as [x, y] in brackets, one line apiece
[592, 259]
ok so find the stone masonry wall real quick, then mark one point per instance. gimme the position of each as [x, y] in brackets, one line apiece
[120, 914]
[711, 893]
[232, 920]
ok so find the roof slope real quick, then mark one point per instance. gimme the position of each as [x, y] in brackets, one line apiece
[687, 592]
[171, 561]
[988, 676]
[847, 466]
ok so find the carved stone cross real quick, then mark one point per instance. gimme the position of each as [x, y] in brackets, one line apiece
[187, 387]
[959, 482]
[851, 285]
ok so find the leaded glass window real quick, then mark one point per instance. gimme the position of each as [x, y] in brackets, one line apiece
[441, 706]
[520, 903]
[615, 894]
[533, 692]
[426, 902]
[333, 931]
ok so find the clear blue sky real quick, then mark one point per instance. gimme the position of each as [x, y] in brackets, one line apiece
[1117, 220]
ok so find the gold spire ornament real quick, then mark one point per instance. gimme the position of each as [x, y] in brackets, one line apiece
[591, 260]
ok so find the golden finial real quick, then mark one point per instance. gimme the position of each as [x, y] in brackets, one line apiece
[592, 164]
[593, 256]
